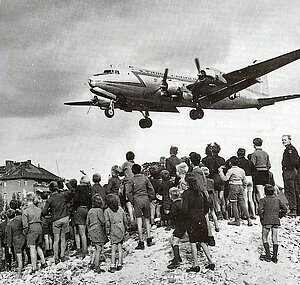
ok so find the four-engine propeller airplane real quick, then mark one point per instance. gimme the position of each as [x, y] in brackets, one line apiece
[136, 89]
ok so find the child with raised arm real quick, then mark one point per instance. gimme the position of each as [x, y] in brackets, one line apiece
[270, 210]
[115, 227]
[96, 230]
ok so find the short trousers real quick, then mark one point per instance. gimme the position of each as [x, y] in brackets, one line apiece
[61, 226]
[197, 232]
[236, 193]
[80, 216]
[270, 227]
[261, 177]
[179, 231]
[18, 243]
[34, 235]
[141, 206]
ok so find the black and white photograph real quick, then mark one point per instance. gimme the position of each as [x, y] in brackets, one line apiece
[149, 142]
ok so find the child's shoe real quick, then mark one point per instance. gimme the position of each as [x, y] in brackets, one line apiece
[119, 267]
[173, 265]
[112, 269]
[100, 270]
[44, 265]
[210, 266]
[149, 241]
[211, 241]
[234, 223]
[140, 245]
[193, 269]
[264, 257]
[274, 259]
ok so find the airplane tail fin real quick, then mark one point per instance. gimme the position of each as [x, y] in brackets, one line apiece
[262, 87]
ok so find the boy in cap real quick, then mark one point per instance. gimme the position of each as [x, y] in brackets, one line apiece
[97, 188]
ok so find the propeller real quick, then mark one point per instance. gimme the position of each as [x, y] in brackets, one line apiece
[198, 65]
[164, 85]
[94, 101]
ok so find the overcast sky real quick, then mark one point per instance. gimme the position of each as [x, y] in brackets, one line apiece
[48, 50]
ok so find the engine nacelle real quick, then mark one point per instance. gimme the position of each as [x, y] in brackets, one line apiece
[215, 75]
[174, 88]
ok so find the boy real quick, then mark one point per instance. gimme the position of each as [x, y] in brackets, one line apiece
[237, 183]
[31, 219]
[140, 194]
[15, 237]
[270, 210]
[177, 216]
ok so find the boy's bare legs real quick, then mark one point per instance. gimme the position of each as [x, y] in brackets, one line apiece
[20, 264]
[120, 254]
[82, 233]
[33, 257]
[140, 227]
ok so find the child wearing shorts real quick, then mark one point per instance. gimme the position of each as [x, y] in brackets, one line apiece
[31, 219]
[96, 230]
[115, 227]
[15, 237]
[270, 210]
[177, 216]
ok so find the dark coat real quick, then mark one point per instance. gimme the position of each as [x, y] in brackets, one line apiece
[270, 210]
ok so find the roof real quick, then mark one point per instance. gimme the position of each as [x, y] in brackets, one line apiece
[26, 170]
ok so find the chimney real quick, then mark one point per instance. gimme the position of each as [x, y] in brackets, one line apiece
[29, 161]
[9, 164]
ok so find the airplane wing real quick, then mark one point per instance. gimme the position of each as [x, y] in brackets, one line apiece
[245, 77]
[272, 100]
[96, 101]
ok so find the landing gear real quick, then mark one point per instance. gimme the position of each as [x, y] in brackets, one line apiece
[109, 111]
[146, 122]
[196, 114]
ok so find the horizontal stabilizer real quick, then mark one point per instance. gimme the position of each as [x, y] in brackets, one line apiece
[271, 100]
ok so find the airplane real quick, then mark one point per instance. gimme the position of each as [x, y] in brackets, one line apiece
[135, 89]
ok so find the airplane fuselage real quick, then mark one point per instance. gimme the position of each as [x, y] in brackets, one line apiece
[139, 84]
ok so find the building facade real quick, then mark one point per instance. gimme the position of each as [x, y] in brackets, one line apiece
[18, 178]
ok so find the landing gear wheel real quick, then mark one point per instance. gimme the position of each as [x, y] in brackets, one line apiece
[109, 112]
[194, 114]
[200, 113]
[145, 123]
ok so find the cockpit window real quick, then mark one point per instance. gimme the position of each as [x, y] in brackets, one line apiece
[108, 71]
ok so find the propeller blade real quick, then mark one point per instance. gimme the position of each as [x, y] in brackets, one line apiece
[197, 64]
[164, 81]
[89, 109]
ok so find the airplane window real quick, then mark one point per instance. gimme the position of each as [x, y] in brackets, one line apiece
[108, 71]
[117, 72]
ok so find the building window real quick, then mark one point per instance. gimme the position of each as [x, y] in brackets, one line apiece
[4, 196]
[25, 183]
[19, 183]
[4, 184]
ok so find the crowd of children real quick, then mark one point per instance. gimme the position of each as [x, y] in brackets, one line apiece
[183, 194]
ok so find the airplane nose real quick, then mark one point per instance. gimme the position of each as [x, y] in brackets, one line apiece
[91, 82]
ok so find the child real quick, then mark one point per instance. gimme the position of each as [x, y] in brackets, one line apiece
[141, 193]
[5, 256]
[166, 185]
[97, 188]
[96, 230]
[155, 180]
[181, 170]
[15, 237]
[237, 183]
[177, 216]
[195, 207]
[270, 210]
[113, 186]
[31, 219]
[115, 227]
[212, 197]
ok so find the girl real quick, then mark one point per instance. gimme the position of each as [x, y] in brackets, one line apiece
[96, 230]
[115, 227]
[270, 210]
[195, 207]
